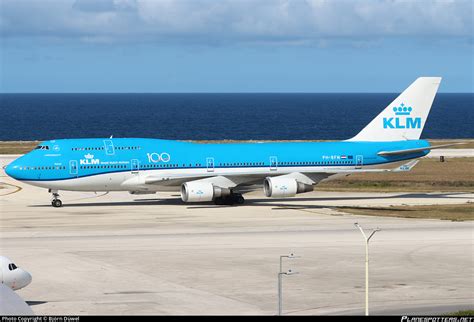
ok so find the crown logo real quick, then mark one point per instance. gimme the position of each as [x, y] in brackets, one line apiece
[89, 156]
[402, 109]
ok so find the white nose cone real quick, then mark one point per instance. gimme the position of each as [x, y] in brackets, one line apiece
[13, 276]
[21, 279]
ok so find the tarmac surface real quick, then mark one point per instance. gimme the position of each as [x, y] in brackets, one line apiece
[451, 153]
[116, 253]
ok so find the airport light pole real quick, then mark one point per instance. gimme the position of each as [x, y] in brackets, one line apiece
[367, 239]
[280, 275]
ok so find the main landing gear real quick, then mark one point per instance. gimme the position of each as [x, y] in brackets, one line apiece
[56, 202]
[233, 198]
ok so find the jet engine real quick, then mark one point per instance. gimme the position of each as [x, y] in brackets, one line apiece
[282, 187]
[196, 191]
[13, 276]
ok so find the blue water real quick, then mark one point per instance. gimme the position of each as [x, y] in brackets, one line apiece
[215, 116]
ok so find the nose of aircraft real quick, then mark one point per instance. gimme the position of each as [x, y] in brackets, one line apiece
[17, 279]
[9, 170]
[12, 169]
[24, 279]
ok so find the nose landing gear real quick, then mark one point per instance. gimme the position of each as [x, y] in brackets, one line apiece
[56, 202]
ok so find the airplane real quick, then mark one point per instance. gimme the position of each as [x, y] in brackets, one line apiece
[205, 172]
[13, 276]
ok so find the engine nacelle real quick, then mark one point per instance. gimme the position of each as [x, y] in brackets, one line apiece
[201, 191]
[281, 187]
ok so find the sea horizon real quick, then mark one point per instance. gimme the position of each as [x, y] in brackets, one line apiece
[216, 116]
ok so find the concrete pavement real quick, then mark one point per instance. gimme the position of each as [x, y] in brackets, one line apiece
[117, 253]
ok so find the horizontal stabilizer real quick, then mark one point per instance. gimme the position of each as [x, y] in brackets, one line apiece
[410, 151]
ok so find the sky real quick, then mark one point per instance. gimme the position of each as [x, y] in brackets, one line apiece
[159, 46]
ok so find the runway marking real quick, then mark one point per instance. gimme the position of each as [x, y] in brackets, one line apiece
[18, 188]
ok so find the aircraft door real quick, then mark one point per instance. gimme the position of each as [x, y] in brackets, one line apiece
[135, 166]
[109, 147]
[273, 163]
[73, 168]
[359, 161]
[210, 164]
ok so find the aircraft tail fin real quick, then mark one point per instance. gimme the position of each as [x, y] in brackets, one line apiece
[406, 116]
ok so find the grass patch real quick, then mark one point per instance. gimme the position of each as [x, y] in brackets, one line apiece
[429, 175]
[460, 212]
[461, 313]
[467, 144]
[17, 147]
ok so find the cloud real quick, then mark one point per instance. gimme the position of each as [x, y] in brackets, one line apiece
[208, 21]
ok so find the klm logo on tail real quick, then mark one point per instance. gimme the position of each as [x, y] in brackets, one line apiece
[398, 122]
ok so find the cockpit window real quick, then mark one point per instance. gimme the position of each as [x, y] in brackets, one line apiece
[12, 266]
[42, 147]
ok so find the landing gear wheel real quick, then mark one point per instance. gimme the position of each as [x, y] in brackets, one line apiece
[239, 199]
[56, 203]
[229, 201]
[235, 198]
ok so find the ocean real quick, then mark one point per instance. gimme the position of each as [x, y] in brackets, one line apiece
[265, 116]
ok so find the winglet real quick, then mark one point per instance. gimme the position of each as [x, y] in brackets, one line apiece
[406, 167]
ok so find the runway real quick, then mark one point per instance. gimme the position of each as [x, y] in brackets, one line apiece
[451, 153]
[121, 254]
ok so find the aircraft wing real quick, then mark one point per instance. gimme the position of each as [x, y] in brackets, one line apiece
[11, 303]
[242, 182]
[221, 181]
[306, 178]
[228, 181]
[405, 167]
[231, 181]
[252, 181]
[409, 151]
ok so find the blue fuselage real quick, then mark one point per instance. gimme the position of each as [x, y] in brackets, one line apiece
[72, 159]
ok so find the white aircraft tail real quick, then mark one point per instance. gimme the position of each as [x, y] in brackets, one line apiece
[405, 117]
